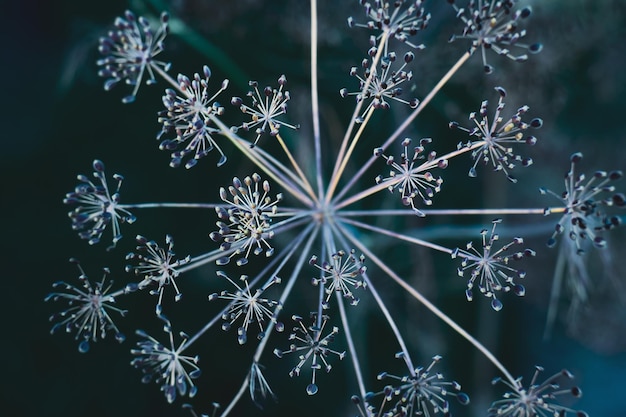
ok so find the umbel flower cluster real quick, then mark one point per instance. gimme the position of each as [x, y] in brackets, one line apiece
[317, 221]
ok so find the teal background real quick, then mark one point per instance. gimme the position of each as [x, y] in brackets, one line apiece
[57, 119]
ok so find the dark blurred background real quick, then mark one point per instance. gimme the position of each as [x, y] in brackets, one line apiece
[58, 119]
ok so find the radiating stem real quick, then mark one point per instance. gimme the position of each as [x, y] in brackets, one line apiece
[344, 161]
[407, 121]
[315, 107]
[419, 297]
[270, 169]
[171, 205]
[399, 236]
[342, 233]
[351, 348]
[399, 178]
[305, 181]
[286, 291]
[447, 212]
[357, 110]
[557, 282]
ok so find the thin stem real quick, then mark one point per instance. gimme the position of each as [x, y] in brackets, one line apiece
[342, 233]
[315, 107]
[357, 109]
[408, 120]
[305, 181]
[271, 169]
[557, 281]
[344, 161]
[171, 205]
[267, 158]
[287, 290]
[167, 78]
[419, 297]
[350, 341]
[444, 212]
[399, 236]
[399, 178]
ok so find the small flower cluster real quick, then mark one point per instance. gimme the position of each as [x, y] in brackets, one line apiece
[265, 110]
[191, 116]
[496, 137]
[490, 269]
[157, 266]
[130, 51]
[166, 364]
[339, 275]
[249, 214]
[583, 215]
[88, 311]
[537, 399]
[413, 180]
[493, 25]
[97, 207]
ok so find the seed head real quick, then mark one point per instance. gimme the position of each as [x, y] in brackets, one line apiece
[496, 137]
[421, 393]
[339, 274]
[157, 266]
[411, 179]
[248, 305]
[310, 344]
[490, 269]
[191, 117]
[538, 399]
[384, 82]
[88, 311]
[129, 52]
[584, 217]
[249, 212]
[166, 365]
[401, 20]
[97, 207]
[266, 109]
[494, 25]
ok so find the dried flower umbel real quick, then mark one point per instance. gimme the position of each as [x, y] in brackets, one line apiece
[494, 25]
[130, 50]
[89, 309]
[331, 211]
[97, 207]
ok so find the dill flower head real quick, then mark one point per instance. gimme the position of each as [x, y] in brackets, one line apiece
[97, 207]
[495, 25]
[157, 266]
[312, 345]
[266, 109]
[166, 364]
[400, 19]
[422, 392]
[89, 308]
[130, 50]
[412, 177]
[492, 140]
[490, 269]
[249, 306]
[249, 211]
[584, 217]
[538, 399]
[191, 115]
[382, 80]
[330, 206]
[338, 275]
